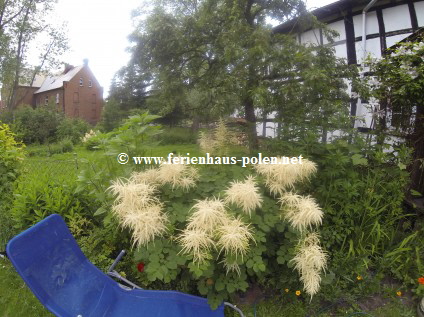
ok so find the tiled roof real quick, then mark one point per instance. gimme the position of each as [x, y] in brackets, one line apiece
[57, 82]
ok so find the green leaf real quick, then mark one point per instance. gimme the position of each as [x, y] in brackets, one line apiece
[358, 159]
[100, 211]
[219, 285]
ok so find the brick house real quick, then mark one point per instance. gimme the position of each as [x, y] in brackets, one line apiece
[76, 92]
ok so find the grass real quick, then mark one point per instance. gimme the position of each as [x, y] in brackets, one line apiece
[15, 298]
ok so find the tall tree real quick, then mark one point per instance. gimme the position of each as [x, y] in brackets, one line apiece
[23, 25]
[227, 53]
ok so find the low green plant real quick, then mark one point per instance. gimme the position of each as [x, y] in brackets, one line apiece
[36, 198]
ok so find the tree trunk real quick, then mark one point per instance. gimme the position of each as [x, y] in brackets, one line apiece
[19, 56]
[249, 113]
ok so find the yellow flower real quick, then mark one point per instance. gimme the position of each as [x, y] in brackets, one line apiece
[298, 293]
[399, 293]
[359, 278]
[286, 290]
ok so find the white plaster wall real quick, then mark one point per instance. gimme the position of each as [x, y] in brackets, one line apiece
[373, 48]
[340, 28]
[419, 9]
[392, 40]
[340, 50]
[310, 37]
[396, 18]
[372, 23]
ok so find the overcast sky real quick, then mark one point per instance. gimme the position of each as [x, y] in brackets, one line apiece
[98, 30]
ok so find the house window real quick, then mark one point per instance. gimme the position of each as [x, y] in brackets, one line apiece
[46, 100]
[90, 83]
[76, 97]
[57, 98]
[81, 82]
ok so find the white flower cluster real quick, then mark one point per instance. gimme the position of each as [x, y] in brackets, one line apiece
[280, 177]
[88, 136]
[176, 175]
[136, 205]
[217, 142]
[211, 227]
[138, 209]
[310, 261]
[302, 213]
[244, 195]
[406, 53]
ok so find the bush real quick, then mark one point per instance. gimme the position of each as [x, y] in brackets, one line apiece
[72, 129]
[67, 145]
[37, 125]
[362, 189]
[11, 155]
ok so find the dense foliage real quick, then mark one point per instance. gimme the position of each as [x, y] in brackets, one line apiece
[398, 85]
[11, 156]
[202, 59]
[44, 125]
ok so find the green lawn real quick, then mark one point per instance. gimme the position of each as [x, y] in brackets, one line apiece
[16, 300]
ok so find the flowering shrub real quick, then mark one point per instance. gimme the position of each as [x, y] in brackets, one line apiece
[223, 227]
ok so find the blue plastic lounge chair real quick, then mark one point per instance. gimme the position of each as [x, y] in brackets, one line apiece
[53, 266]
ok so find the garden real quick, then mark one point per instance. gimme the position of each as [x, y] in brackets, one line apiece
[329, 237]
[339, 231]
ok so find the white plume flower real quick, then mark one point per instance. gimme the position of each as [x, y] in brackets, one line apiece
[208, 215]
[234, 237]
[310, 261]
[231, 266]
[149, 176]
[139, 210]
[281, 177]
[146, 224]
[244, 195]
[206, 143]
[196, 242]
[177, 175]
[302, 212]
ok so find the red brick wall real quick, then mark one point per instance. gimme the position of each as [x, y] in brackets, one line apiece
[77, 101]
[83, 101]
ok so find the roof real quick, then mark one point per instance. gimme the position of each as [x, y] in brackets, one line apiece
[328, 12]
[57, 81]
[26, 76]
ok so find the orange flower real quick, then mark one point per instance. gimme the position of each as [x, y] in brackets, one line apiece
[359, 278]
[286, 290]
[421, 280]
[298, 293]
[399, 293]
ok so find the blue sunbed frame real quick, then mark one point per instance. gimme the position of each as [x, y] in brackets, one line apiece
[53, 266]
